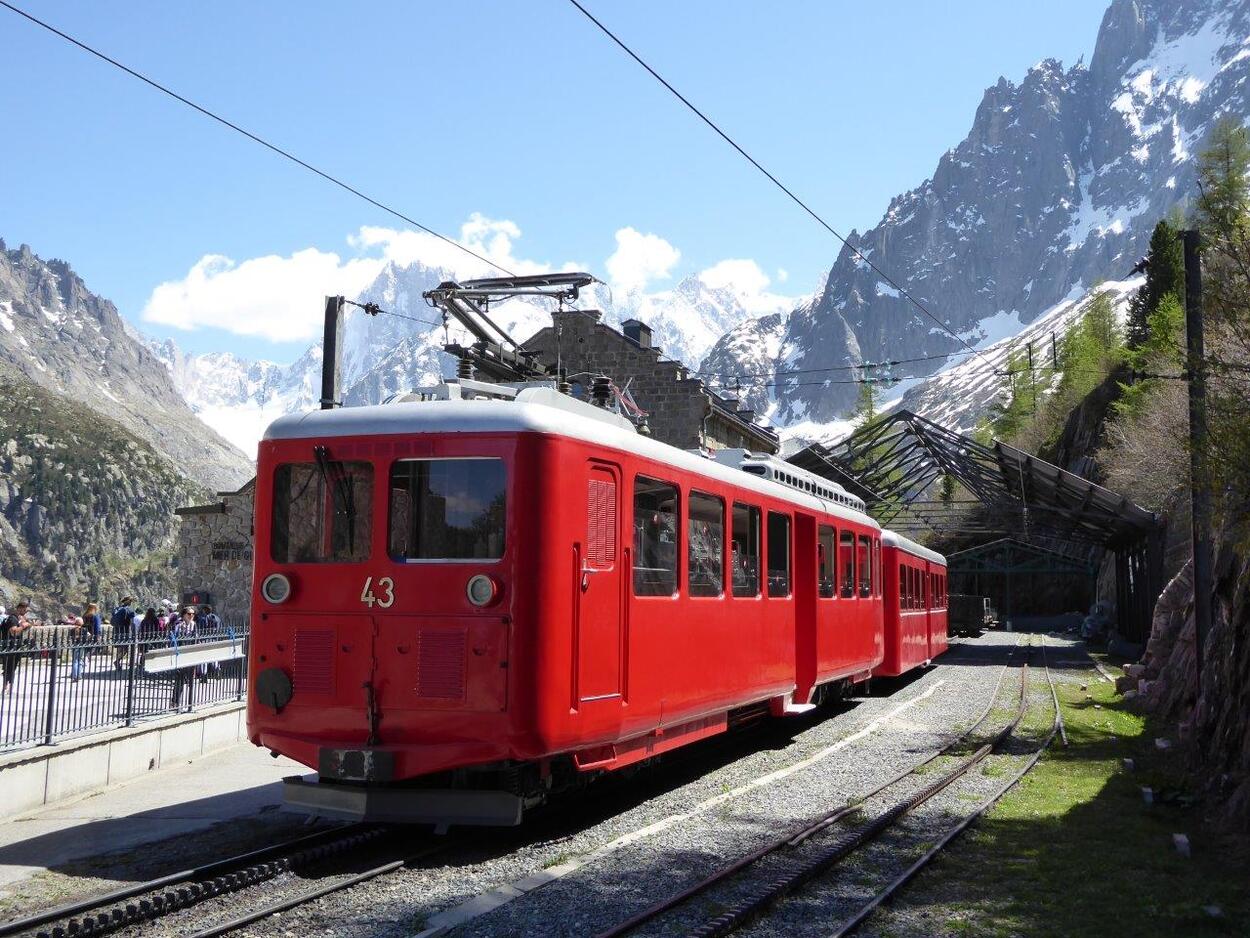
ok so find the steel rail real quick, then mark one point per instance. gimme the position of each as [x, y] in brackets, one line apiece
[846, 845]
[190, 887]
[908, 874]
[16, 926]
[311, 895]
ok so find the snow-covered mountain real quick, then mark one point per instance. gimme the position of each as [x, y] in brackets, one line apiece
[1056, 187]
[402, 348]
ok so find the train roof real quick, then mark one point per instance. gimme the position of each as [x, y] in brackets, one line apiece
[894, 539]
[538, 409]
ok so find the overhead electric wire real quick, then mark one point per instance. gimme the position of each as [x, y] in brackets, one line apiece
[888, 363]
[775, 181]
[373, 309]
[251, 136]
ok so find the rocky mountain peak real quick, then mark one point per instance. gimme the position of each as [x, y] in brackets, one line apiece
[1056, 186]
[57, 334]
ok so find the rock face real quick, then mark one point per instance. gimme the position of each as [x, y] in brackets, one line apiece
[1057, 186]
[58, 335]
[86, 509]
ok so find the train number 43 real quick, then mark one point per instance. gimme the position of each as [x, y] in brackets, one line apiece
[385, 586]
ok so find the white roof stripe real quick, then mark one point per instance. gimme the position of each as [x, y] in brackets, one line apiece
[494, 416]
[894, 539]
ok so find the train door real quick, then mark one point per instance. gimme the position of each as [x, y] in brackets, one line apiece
[805, 625]
[600, 635]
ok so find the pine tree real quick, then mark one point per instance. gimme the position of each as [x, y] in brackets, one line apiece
[1165, 274]
[867, 403]
[1224, 193]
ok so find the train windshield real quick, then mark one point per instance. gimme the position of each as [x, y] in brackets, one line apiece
[322, 512]
[447, 509]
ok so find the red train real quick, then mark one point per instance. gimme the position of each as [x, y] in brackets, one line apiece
[476, 596]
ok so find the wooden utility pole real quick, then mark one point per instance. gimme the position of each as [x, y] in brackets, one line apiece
[1199, 483]
[332, 354]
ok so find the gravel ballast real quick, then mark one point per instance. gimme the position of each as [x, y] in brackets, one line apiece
[614, 884]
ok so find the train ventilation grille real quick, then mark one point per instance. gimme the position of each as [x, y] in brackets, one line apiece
[314, 661]
[440, 664]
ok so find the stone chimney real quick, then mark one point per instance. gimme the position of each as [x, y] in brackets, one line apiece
[637, 332]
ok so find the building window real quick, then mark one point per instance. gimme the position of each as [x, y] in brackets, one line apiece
[826, 551]
[322, 512]
[447, 509]
[655, 537]
[846, 562]
[745, 556]
[778, 554]
[705, 530]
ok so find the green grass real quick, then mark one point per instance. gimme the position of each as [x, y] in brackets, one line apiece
[1073, 850]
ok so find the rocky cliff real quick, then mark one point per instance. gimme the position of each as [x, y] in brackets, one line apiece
[86, 508]
[1056, 187]
[58, 335]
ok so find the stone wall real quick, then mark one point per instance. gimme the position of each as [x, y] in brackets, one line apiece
[215, 552]
[680, 409]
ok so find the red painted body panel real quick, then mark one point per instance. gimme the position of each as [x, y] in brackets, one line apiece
[915, 632]
[567, 660]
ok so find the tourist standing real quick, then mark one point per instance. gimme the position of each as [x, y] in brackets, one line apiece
[12, 628]
[182, 630]
[86, 632]
[122, 620]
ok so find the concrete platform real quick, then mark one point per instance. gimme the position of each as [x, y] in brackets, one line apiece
[232, 783]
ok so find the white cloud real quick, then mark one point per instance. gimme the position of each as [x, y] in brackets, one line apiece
[748, 282]
[640, 258]
[488, 237]
[280, 298]
[273, 297]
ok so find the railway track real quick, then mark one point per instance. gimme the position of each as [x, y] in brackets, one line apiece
[791, 865]
[155, 899]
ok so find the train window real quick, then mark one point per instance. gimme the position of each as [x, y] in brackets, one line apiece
[865, 566]
[745, 560]
[902, 587]
[306, 527]
[705, 530]
[846, 562]
[878, 570]
[655, 537]
[447, 509]
[826, 548]
[778, 554]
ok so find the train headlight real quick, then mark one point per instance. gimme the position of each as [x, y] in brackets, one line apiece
[482, 590]
[276, 588]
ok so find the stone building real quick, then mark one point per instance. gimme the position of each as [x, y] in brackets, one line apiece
[215, 552]
[682, 410]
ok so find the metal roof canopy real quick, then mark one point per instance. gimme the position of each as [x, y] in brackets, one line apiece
[894, 464]
[1008, 555]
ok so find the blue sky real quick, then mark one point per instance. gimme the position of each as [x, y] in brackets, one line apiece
[516, 111]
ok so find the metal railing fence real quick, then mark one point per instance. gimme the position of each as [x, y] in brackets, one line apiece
[59, 681]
